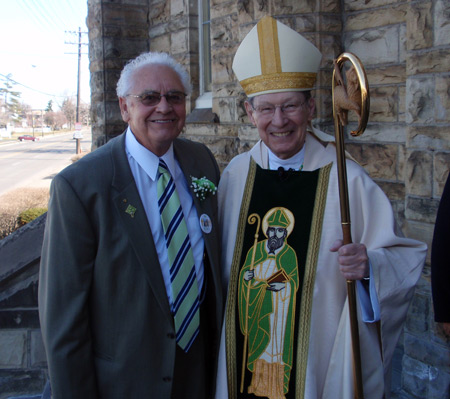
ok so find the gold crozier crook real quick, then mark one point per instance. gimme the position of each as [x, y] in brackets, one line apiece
[353, 97]
[254, 217]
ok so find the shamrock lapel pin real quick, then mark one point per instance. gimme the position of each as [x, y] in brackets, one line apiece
[131, 210]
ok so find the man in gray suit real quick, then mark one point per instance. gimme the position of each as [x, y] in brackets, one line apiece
[108, 297]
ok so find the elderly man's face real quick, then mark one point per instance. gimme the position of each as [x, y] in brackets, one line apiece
[282, 119]
[155, 126]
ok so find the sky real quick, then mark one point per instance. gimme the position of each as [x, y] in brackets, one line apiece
[35, 49]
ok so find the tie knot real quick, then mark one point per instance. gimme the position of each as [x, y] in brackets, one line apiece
[163, 168]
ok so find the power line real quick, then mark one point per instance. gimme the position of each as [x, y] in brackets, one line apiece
[48, 14]
[36, 16]
[30, 88]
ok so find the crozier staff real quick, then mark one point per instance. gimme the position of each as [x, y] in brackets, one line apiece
[293, 167]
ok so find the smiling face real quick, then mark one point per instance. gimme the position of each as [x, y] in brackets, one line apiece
[283, 132]
[155, 127]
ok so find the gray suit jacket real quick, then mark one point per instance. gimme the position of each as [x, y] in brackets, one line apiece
[105, 317]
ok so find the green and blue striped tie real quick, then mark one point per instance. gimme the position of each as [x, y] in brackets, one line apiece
[185, 293]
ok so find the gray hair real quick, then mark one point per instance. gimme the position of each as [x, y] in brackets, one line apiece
[150, 58]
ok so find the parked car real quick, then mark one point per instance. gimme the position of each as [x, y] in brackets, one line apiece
[28, 137]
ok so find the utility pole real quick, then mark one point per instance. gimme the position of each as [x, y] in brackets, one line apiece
[77, 120]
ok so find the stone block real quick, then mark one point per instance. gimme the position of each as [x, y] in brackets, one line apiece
[21, 382]
[401, 115]
[418, 177]
[223, 34]
[159, 12]
[330, 6]
[221, 69]
[179, 42]
[421, 209]
[427, 352]
[375, 18]
[386, 75]
[13, 347]
[358, 5]
[415, 377]
[398, 207]
[442, 98]
[37, 350]
[226, 10]
[388, 133]
[419, 25]
[384, 104]
[124, 15]
[373, 47]
[19, 319]
[225, 109]
[417, 323]
[113, 112]
[379, 160]
[436, 60]
[429, 137]
[394, 191]
[118, 48]
[330, 47]
[20, 295]
[177, 7]
[420, 100]
[330, 23]
[159, 42]
[439, 386]
[441, 23]
[308, 22]
[288, 7]
[419, 231]
[440, 172]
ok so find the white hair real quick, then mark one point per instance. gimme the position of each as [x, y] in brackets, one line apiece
[150, 58]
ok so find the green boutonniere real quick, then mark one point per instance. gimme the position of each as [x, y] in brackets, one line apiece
[203, 187]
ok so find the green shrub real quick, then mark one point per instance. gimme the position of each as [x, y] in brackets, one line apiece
[29, 215]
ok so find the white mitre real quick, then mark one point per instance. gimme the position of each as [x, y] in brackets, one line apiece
[273, 58]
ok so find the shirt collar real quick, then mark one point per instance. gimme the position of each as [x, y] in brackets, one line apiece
[146, 159]
[295, 162]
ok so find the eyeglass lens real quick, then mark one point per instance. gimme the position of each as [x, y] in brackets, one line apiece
[153, 98]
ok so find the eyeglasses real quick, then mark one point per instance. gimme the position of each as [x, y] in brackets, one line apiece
[152, 98]
[287, 109]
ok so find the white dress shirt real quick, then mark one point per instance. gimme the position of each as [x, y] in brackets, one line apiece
[144, 166]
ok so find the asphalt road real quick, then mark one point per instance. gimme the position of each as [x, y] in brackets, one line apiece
[35, 163]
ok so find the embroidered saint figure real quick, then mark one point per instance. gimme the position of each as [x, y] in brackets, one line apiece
[268, 284]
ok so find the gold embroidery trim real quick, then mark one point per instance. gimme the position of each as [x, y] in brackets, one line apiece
[278, 81]
[307, 289]
[230, 312]
[309, 279]
[269, 48]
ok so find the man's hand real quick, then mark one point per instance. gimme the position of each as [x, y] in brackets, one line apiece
[353, 260]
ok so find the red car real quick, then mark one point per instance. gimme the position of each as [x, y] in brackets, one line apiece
[28, 137]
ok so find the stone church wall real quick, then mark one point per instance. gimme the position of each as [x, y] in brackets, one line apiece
[405, 48]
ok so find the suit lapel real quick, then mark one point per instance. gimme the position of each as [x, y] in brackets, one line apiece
[135, 223]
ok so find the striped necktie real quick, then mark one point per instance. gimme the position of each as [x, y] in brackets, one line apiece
[185, 294]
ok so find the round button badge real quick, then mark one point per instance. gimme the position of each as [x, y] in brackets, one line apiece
[205, 223]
